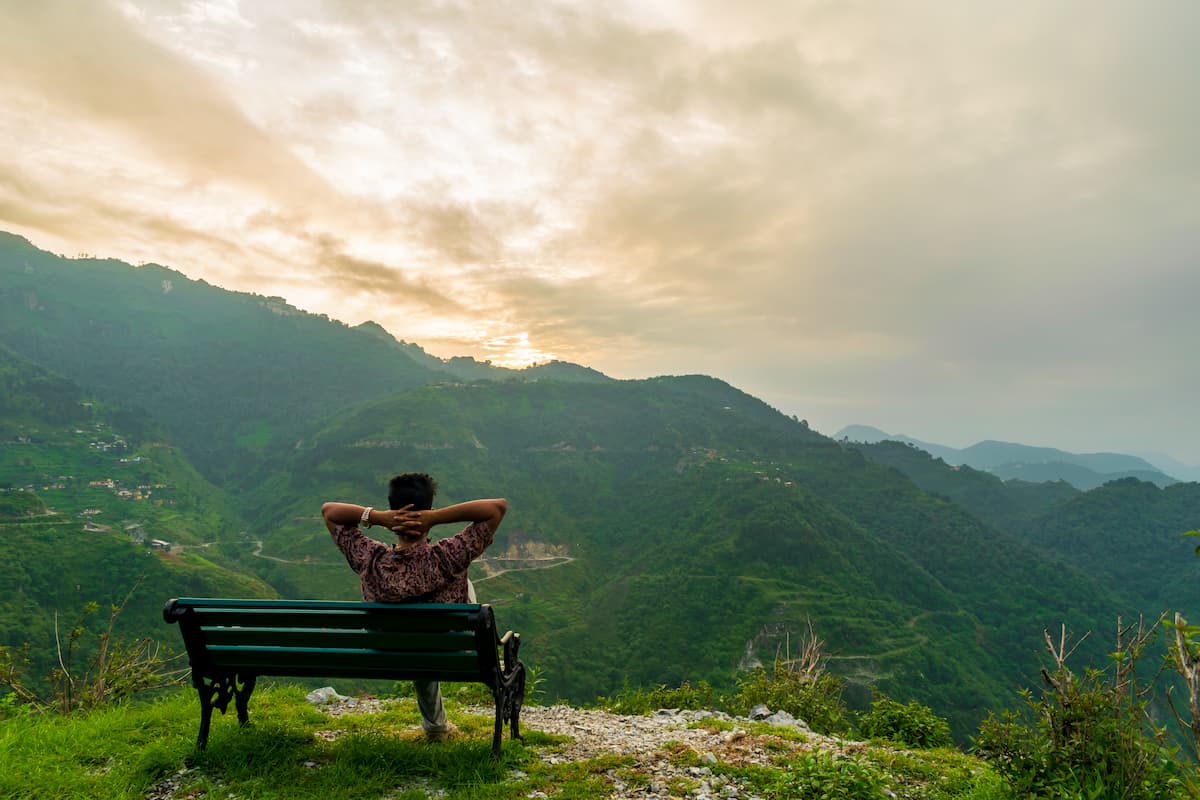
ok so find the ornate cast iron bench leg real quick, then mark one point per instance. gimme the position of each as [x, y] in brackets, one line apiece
[498, 729]
[216, 693]
[518, 700]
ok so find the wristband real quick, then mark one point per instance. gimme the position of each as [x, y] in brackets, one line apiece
[365, 521]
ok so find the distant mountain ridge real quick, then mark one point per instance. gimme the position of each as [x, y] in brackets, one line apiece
[1010, 460]
[1172, 466]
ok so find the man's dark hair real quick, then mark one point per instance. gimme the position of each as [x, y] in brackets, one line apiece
[412, 488]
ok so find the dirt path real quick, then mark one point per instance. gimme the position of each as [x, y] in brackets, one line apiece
[558, 562]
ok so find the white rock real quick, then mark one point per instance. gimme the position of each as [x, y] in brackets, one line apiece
[325, 694]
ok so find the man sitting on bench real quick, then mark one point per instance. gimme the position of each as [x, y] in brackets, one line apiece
[414, 570]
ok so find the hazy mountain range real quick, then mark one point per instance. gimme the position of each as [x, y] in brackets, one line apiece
[660, 530]
[1029, 463]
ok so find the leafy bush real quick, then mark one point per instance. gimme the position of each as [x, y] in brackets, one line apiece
[822, 776]
[1086, 736]
[18, 504]
[643, 701]
[910, 724]
[799, 685]
[815, 699]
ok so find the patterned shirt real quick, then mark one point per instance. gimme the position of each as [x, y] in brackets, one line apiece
[420, 573]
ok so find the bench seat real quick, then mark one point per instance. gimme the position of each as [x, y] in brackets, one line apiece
[230, 642]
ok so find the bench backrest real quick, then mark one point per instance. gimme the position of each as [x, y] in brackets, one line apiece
[314, 638]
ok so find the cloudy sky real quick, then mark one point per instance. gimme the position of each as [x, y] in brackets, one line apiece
[955, 220]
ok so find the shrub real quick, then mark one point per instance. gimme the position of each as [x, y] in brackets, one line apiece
[822, 776]
[643, 701]
[118, 669]
[815, 699]
[1086, 735]
[798, 685]
[910, 724]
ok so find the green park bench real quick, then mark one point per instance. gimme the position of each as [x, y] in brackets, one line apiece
[232, 642]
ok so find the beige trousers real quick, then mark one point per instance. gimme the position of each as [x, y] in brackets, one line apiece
[429, 693]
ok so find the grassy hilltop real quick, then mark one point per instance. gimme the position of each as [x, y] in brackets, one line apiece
[294, 751]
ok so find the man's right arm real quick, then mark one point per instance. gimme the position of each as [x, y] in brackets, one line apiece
[349, 514]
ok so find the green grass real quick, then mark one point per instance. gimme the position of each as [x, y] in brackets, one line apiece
[292, 750]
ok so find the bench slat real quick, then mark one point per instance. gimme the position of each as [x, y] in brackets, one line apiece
[327, 620]
[312, 660]
[355, 639]
[349, 605]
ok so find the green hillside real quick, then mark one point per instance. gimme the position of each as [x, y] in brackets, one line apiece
[1007, 504]
[1127, 534]
[88, 508]
[677, 528]
[660, 530]
[105, 468]
[230, 376]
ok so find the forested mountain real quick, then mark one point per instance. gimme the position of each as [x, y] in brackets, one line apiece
[1025, 462]
[659, 530]
[85, 492]
[1008, 504]
[677, 528]
[229, 376]
[1126, 534]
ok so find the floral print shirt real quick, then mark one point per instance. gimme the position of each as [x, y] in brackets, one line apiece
[420, 573]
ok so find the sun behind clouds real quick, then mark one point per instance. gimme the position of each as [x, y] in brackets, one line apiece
[514, 351]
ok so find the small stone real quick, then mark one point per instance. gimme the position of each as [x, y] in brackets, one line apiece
[325, 694]
[708, 758]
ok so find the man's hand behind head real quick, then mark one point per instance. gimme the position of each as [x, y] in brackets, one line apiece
[409, 524]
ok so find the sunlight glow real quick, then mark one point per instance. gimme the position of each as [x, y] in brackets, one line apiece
[514, 351]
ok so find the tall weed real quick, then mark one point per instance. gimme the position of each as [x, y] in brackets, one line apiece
[117, 670]
[1085, 735]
